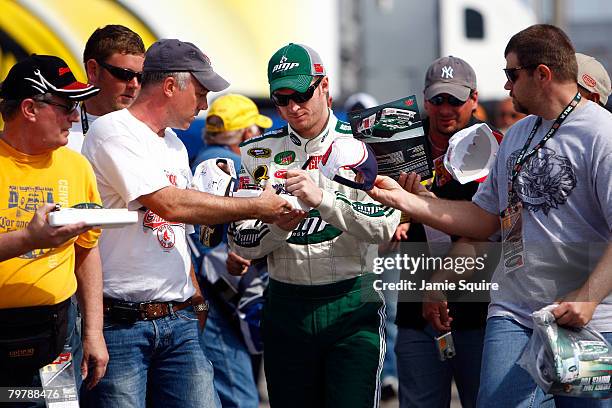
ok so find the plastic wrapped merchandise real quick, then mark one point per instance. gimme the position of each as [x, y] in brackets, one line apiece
[567, 361]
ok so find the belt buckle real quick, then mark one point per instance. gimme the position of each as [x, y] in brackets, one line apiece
[163, 313]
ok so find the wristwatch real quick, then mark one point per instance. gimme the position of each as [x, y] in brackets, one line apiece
[201, 307]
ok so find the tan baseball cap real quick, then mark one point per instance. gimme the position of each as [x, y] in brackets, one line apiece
[593, 76]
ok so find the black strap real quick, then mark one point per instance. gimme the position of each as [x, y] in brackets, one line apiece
[524, 156]
[84, 121]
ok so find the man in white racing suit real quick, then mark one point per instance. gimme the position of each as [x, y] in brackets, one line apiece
[323, 321]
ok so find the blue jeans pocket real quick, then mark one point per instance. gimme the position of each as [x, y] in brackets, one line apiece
[110, 324]
[187, 314]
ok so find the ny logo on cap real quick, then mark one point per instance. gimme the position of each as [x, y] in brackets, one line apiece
[447, 72]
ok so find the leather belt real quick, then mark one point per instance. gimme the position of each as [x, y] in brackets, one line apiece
[133, 311]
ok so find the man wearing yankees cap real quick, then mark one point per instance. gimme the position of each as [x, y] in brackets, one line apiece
[153, 309]
[323, 322]
[451, 97]
[43, 266]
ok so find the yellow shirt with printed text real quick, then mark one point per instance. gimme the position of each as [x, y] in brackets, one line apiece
[42, 276]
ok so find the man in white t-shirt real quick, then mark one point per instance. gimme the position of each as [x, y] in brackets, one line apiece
[152, 303]
[113, 59]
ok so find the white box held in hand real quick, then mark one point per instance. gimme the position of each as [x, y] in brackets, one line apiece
[99, 217]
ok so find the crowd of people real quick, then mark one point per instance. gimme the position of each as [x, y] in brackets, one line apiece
[156, 314]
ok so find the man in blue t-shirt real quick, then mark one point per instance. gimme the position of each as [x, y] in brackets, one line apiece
[549, 191]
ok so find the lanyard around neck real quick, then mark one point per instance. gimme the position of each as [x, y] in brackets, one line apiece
[523, 156]
[84, 121]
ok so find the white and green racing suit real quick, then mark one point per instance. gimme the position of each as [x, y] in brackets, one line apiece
[328, 246]
[321, 309]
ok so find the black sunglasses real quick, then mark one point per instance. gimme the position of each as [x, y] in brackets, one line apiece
[68, 109]
[123, 74]
[297, 97]
[452, 101]
[512, 73]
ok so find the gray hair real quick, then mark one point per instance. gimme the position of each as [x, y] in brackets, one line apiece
[10, 107]
[226, 138]
[155, 77]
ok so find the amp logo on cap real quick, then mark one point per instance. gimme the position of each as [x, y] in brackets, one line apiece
[283, 65]
[447, 72]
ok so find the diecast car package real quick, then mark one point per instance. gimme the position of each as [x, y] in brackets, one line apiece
[567, 361]
[395, 133]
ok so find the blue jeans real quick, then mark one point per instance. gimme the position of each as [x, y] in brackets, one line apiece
[503, 383]
[424, 380]
[74, 340]
[158, 361]
[231, 361]
[390, 364]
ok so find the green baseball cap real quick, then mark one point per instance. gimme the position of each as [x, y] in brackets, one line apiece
[293, 67]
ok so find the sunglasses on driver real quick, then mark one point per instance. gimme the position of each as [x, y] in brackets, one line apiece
[297, 97]
[122, 74]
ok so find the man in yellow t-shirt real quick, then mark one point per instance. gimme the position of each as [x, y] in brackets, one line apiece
[40, 266]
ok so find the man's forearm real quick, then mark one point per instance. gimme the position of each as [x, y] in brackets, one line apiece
[88, 271]
[195, 207]
[462, 218]
[464, 248]
[13, 244]
[198, 292]
[599, 284]
[37, 234]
